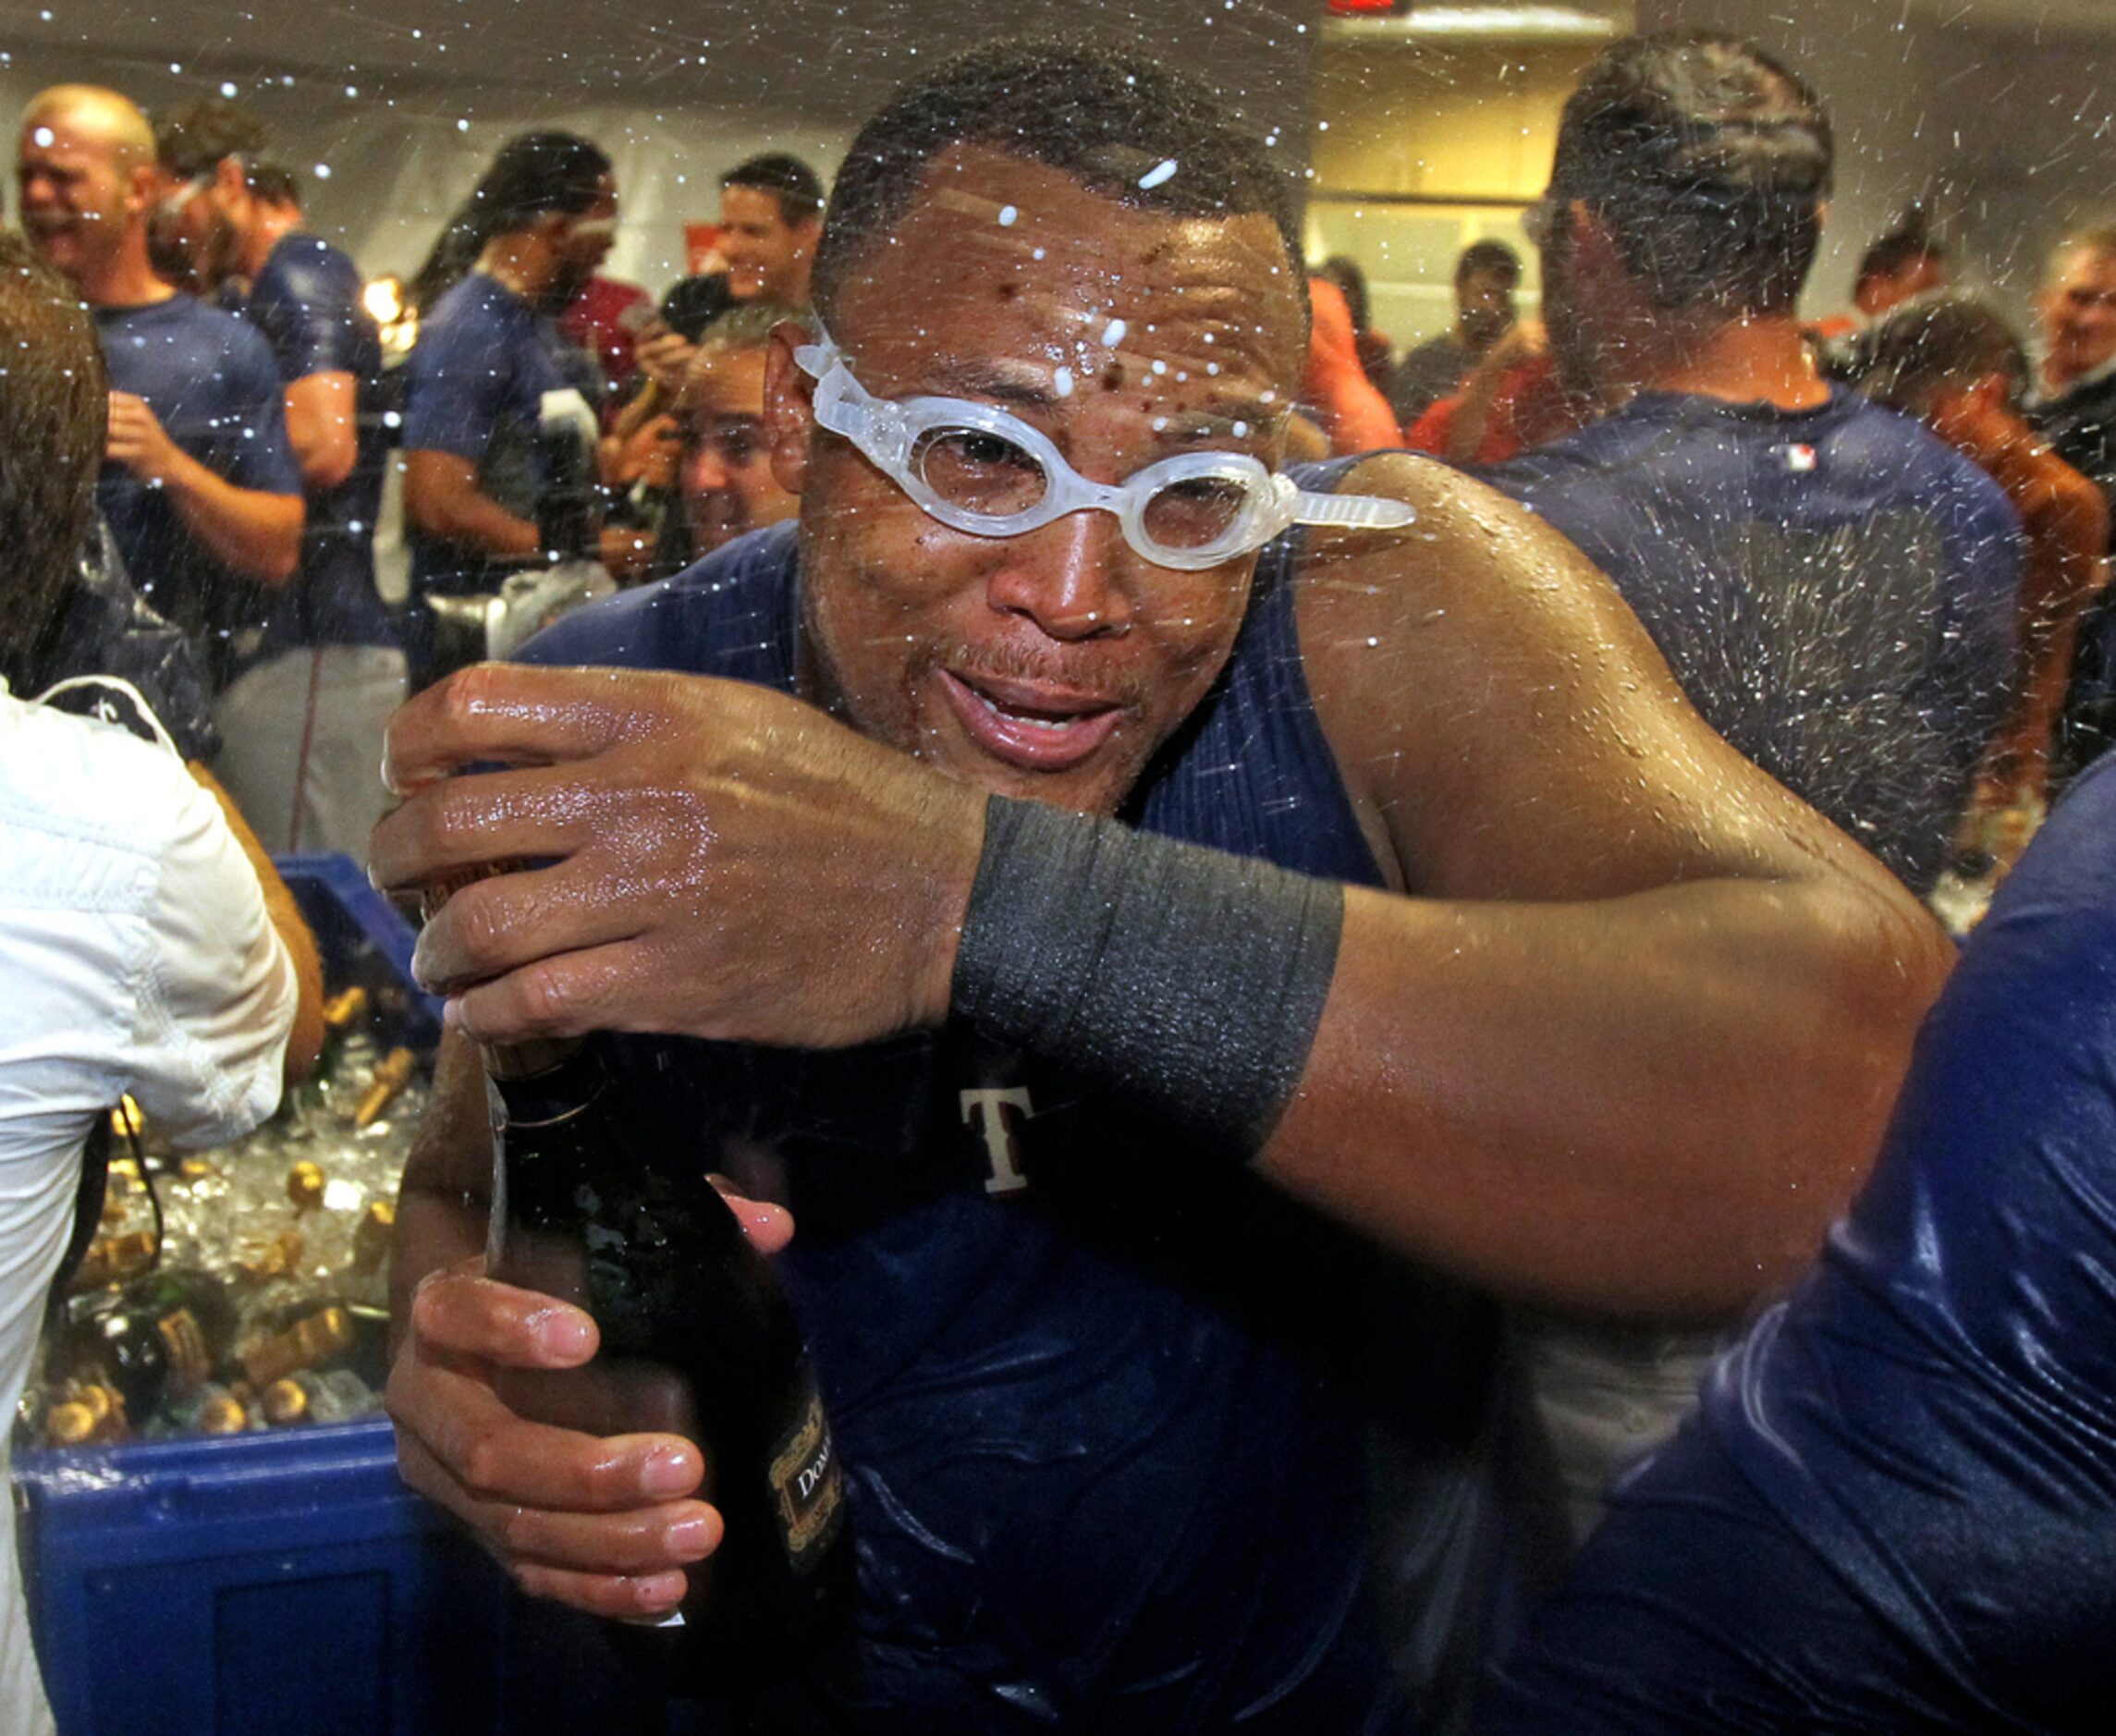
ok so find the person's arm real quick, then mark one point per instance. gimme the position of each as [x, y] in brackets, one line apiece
[322, 428]
[1629, 1047]
[2066, 569]
[305, 1042]
[442, 499]
[256, 532]
[1631, 1043]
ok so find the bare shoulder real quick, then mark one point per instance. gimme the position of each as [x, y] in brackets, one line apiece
[1505, 724]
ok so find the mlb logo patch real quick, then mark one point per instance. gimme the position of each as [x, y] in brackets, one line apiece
[1799, 456]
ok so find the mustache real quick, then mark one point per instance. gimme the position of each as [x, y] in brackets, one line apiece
[1086, 671]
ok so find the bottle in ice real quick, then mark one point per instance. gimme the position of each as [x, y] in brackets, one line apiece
[595, 1205]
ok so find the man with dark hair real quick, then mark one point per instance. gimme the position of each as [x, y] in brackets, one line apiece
[1486, 275]
[2075, 411]
[499, 410]
[1834, 589]
[141, 955]
[1028, 833]
[771, 213]
[199, 490]
[1893, 1509]
[1906, 262]
[302, 726]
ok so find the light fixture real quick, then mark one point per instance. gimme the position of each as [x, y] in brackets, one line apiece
[1503, 18]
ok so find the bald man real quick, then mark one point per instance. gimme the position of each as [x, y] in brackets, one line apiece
[198, 486]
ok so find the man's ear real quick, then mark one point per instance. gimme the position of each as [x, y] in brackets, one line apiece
[810, 230]
[789, 409]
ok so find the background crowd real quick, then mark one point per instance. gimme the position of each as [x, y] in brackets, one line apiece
[1872, 548]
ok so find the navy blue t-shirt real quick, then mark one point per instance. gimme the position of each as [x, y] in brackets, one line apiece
[1083, 1379]
[307, 303]
[211, 380]
[1896, 1508]
[488, 375]
[1834, 589]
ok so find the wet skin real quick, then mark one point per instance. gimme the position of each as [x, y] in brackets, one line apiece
[1628, 1048]
[1050, 665]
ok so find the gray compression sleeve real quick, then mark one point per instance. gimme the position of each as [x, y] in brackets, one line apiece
[1185, 980]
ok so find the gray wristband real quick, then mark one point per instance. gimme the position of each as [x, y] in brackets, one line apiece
[1187, 981]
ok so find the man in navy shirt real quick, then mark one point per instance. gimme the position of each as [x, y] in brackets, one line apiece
[498, 408]
[1834, 589]
[200, 491]
[1015, 850]
[1896, 1508]
[303, 725]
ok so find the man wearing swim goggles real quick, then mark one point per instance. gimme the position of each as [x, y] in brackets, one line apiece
[1185, 866]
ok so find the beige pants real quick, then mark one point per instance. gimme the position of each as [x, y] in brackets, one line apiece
[301, 745]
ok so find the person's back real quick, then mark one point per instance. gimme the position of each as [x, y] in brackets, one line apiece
[1897, 1507]
[1832, 587]
[141, 955]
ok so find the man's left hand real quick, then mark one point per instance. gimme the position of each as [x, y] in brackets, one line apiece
[139, 442]
[713, 860]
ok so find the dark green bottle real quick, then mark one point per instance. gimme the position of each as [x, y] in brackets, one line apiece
[596, 1207]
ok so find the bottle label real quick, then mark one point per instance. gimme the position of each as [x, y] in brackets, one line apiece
[191, 1358]
[806, 1482]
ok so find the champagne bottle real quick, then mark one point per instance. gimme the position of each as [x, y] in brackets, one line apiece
[595, 1203]
[159, 1337]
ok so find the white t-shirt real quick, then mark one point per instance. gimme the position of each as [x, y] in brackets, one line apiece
[135, 955]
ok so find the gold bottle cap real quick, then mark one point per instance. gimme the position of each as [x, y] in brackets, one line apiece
[310, 1342]
[223, 1415]
[344, 1007]
[372, 1238]
[69, 1424]
[392, 1074]
[305, 1185]
[283, 1402]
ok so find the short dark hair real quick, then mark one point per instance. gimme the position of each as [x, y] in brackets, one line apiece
[788, 181]
[190, 139]
[1492, 258]
[749, 324]
[532, 174]
[1911, 238]
[1925, 345]
[1107, 118]
[274, 183]
[54, 406]
[1344, 271]
[1708, 160]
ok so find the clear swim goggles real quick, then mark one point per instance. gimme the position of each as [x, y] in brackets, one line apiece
[977, 468]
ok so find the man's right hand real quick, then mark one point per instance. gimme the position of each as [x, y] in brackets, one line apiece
[604, 1525]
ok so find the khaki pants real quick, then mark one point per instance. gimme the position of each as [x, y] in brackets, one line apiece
[302, 745]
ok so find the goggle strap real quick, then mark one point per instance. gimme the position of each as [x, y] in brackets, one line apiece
[1357, 512]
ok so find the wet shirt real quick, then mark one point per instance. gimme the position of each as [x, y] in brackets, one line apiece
[1896, 1509]
[1081, 1376]
[211, 380]
[488, 374]
[1835, 589]
[306, 300]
